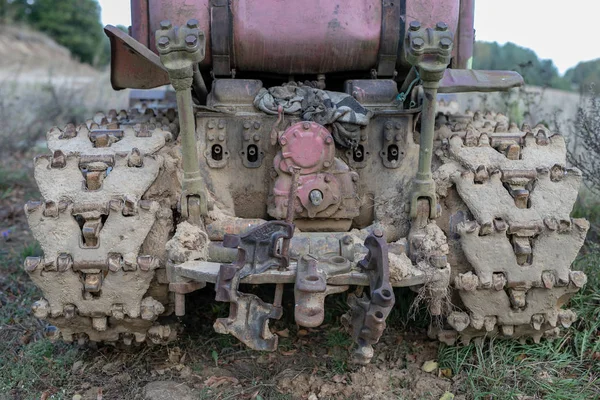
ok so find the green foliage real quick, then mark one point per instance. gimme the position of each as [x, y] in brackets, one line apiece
[74, 24]
[585, 75]
[516, 58]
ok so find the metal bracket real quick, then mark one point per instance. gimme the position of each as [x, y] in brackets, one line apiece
[369, 312]
[257, 249]
[252, 154]
[249, 319]
[249, 316]
[392, 151]
[430, 51]
[216, 153]
[310, 291]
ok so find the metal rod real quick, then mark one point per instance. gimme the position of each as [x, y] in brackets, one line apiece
[427, 130]
[199, 85]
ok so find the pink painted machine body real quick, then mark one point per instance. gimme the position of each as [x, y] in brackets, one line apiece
[300, 37]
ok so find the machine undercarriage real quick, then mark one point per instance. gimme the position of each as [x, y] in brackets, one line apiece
[330, 191]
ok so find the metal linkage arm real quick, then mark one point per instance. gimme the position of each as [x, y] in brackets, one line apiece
[430, 51]
[180, 50]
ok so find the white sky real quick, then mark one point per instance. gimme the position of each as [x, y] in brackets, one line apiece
[540, 25]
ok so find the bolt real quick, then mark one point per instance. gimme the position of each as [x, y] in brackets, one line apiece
[283, 141]
[354, 178]
[398, 137]
[163, 42]
[193, 24]
[388, 126]
[165, 25]
[246, 125]
[328, 139]
[327, 164]
[316, 197]
[418, 43]
[210, 125]
[327, 178]
[191, 40]
[378, 232]
[445, 43]
[306, 125]
[388, 136]
[347, 240]
[415, 26]
[441, 26]
[256, 138]
[221, 124]
[257, 125]
[221, 137]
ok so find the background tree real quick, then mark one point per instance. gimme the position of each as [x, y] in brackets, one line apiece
[536, 72]
[585, 75]
[74, 24]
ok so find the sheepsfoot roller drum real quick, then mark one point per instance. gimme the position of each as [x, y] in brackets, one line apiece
[344, 182]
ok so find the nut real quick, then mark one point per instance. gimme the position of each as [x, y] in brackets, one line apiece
[445, 43]
[193, 24]
[418, 43]
[165, 25]
[191, 40]
[441, 26]
[415, 25]
[163, 41]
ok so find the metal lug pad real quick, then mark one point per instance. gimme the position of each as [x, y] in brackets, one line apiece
[249, 316]
[369, 312]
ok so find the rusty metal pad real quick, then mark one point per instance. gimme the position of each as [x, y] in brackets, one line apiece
[257, 249]
[133, 65]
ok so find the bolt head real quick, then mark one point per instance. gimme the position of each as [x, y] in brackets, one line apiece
[256, 125]
[445, 43]
[246, 125]
[388, 136]
[163, 42]
[388, 126]
[256, 138]
[193, 24]
[191, 40]
[165, 25]
[327, 178]
[283, 141]
[328, 139]
[441, 26]
[418, 43]
[378, 232]
[316, 197]
[415, 26]
[326, 164]
[306, 125]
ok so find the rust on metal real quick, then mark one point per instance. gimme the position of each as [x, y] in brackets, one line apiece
[133, 65]
[369, 311]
